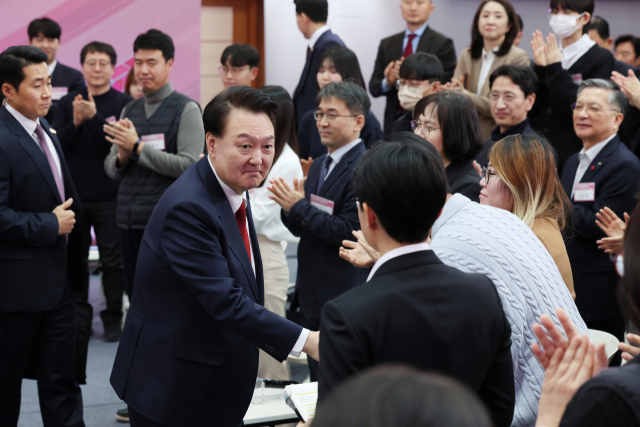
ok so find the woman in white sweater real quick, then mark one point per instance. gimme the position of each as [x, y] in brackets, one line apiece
[269, 227]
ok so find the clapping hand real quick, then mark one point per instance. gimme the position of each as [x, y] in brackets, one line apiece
[83, 110]
[630, 351]
[284, 195]
[123, 134]
[630, 86]
[455, 85]
[552, 51]
[613, 227]
[306, 165]
[392, 72]
[359, 253]
[539, 49]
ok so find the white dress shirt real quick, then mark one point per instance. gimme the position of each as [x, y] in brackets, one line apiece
[338, 154]
[52, 66]
[403, 250]
[574, 51]
[235, 200]
[316, 35]
[266, 212]
[487, 62]
[586, 157]
[30, 126]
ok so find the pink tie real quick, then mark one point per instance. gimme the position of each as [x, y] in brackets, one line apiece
[52, 162]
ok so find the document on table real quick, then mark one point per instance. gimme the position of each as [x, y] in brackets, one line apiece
[302, 398]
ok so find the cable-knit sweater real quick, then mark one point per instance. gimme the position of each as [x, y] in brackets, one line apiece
[496, 243]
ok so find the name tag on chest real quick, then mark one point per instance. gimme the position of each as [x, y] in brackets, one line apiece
[577, 78]
[156, 141]
[325, 205]
[584, 192]
[58, 92]
[111, 119]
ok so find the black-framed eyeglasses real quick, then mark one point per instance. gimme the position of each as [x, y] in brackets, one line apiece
[487, 173]
[319, 115]
[424, 129]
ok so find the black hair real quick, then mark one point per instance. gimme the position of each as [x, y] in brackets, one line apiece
[402, 179]
[459, 124]
[354, 96]
[45, 26]
[100, 48]
[521, 75]
[599, 24]
[155, 40]
[316, 10]
[578, 6]
[401, 396]
[12, 63]
[477, 41]
[217, 111]
[239, 55]
[285, 120]
[345, 62]
[520, 21]
[421, 66]
[628, 38]
[629, 290]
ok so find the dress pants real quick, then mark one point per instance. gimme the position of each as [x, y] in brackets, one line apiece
[276, 282]
[138, 420]
[313, 324]
[102, 215]
[52, 334]
[130, 241]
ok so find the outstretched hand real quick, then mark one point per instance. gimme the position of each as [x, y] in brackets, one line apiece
[359, 253]
[613, 227]
[539, 49]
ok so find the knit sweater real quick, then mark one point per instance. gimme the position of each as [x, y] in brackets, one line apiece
[494, 242]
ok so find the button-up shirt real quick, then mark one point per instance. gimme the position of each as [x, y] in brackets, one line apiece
[338, 154]
[52, 66]
[586, 157]
[403, 250]
[487, 62]
[574, 51]
[414, 44]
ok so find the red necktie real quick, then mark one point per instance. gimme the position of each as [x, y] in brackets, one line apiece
[241, 219]
[408, 50]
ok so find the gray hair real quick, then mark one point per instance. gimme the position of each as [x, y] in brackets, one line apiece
[616, 97]
[350, 92]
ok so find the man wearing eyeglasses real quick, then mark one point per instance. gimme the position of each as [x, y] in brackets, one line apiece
[239, 65]
[603, 173]
[324, 212]
[78, 121]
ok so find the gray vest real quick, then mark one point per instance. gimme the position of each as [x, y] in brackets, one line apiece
[141, 188]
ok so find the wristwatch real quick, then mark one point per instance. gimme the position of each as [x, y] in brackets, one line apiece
[134, 151]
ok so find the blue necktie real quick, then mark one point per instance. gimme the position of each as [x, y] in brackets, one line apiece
[324, 172]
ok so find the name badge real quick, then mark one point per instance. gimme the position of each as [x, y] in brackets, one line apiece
[325, 205]
[577, 78]
[584, 192]
[58, 92]
[111, 119]
[156, 141]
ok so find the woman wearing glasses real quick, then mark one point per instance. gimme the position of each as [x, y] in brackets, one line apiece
[337, 64]
[521, 178]
[448, 120]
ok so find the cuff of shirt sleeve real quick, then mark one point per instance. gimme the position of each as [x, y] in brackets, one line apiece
[302, 339]
[385, 87]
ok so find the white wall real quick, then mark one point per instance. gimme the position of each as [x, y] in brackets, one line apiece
[363, 23]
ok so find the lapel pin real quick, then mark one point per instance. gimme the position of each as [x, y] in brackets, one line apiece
[53, 131]
[593, 167]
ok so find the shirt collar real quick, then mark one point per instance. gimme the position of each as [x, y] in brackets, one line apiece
[28, 124]
[593, 152]
[235, 199]
[419, 32]
[52, 66]
[316, 35]
[486, 54]
[158, 95]
[403, 250]
[337, 155]
[513, 130]
[576, 49]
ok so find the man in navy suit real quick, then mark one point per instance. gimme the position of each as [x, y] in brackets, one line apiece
[312, 22]
[603, 173]
[45, 33]
[188, 355]
[40, 257]
[324, 213]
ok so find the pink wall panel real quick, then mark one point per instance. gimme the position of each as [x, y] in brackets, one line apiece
[116, 22]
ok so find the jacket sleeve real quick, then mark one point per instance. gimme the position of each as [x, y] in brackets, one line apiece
[22, 227]
[375, 84]
[194, 252]
[78, 82]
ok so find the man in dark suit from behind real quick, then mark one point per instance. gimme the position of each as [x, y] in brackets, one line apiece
[418, 37]
[324, 212]
[40, 257]
[603, 173]
[312, 22]
[414, 309]
[45, 33]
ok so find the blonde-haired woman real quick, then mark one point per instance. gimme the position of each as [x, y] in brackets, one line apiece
[521, 177]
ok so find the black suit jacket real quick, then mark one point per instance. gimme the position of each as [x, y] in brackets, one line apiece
[420, 312]
[36, 265]
[464, 179]
[304, 97]
[188, 355]
[322, 274]
[616, 174]
[68, 77]
[391, 50]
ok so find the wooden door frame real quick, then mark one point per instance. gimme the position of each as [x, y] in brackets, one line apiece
[248, 26]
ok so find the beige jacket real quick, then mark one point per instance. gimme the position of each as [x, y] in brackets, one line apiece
[471, 67]
[549, 234]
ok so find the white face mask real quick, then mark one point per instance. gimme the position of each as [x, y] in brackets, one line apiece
[564, 25]
[409, 97]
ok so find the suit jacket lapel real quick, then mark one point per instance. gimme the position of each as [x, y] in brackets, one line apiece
[340, 168]
[256, 253]
[569, 174]
[34, 151]
[396, 46]
[311, 183]
[597, 164]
